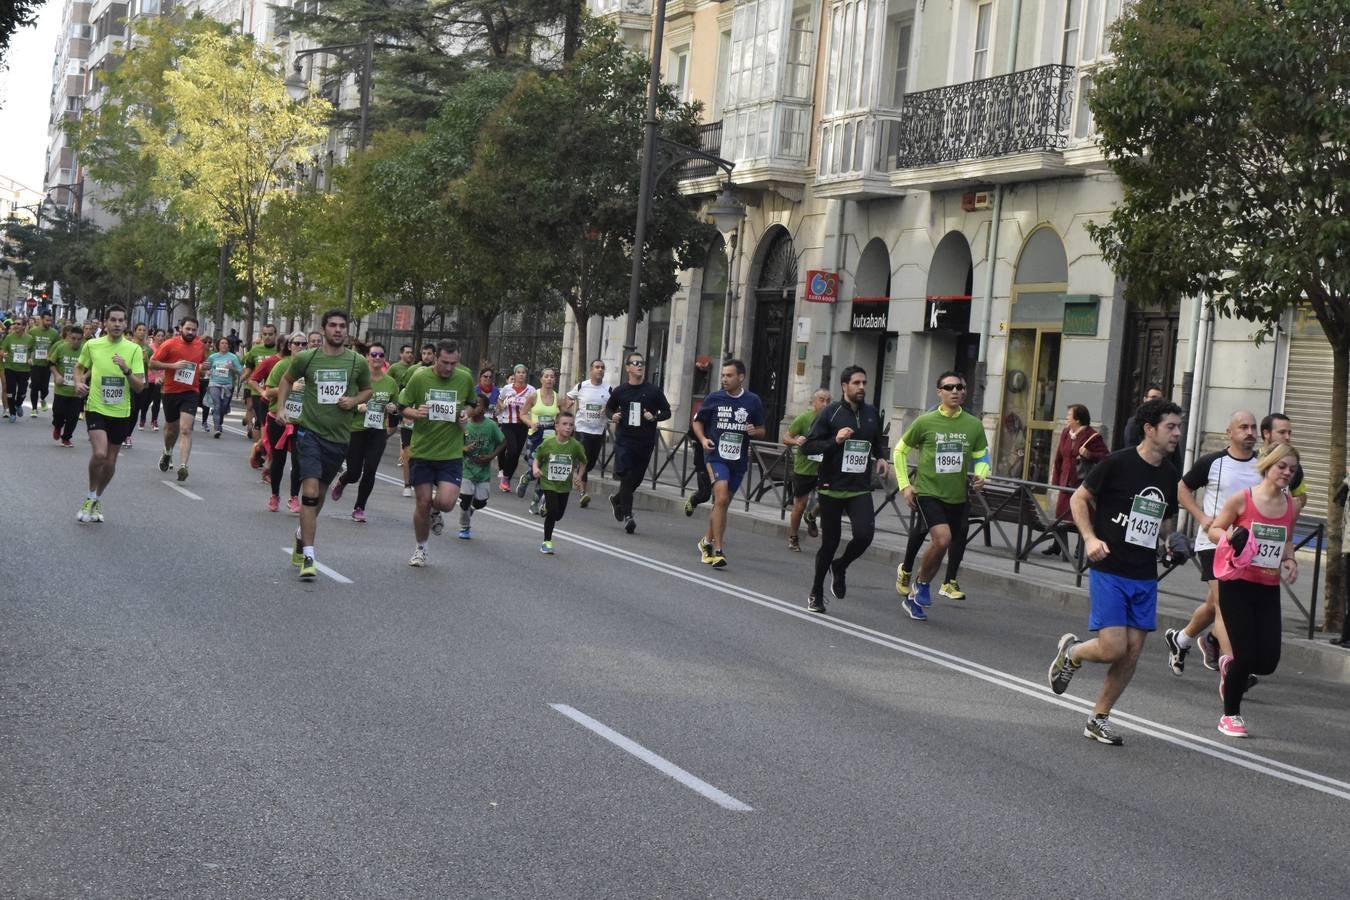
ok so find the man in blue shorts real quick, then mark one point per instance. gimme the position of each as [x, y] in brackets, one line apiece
[1124, 510]
[724, 427]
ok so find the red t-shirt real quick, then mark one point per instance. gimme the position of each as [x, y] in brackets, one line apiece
[182, 381]
[264, 369]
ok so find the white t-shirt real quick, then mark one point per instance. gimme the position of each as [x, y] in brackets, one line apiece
[590, 400]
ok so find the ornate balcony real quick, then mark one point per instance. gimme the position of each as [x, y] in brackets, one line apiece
[1008, 128]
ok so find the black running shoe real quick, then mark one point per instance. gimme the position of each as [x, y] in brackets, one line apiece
[614, 502]
[837, 585]
[629, 525]
[1176, 654]
[815, 603]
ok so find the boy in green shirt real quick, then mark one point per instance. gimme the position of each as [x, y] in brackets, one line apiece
[483, 442]
[66, 404]
[559, 464]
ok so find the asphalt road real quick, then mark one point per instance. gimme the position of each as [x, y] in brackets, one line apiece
[180, 717]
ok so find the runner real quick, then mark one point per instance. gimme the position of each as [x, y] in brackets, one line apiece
[44, 336]
[538, 413]
[255, 406]
[17, 348]
[180, 357]
[154, 380]
[511, 400]
[847, 436]
[951, 445]
[337, 380]
[432, 401]
[405, 426]
[703, 492]
[1277, 429]
[483, 443]
[725, 423]
[67, 404]
[487, 385]
[1221, 475]
[371, 427]
[399, 370]
[1262, 523]
[558, 466]
[279, 436]
[140, 401]
[634, 407]
[804, 470]
[224, 369]
[315, 340]
[109, 368]
[1124, 510]
[589, 399]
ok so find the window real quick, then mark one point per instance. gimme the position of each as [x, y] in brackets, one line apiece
[899, 36]
[723, 61]
[1091, 37]
[983, 26]
[1082, 127]
[1073, 22]
[801, 51]
[677, 71]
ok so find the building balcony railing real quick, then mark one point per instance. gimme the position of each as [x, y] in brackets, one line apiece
[709, 141]
[1020, 112]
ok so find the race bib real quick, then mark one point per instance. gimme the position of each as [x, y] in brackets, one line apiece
[222, 371]
[590, 413]
[1145, 520]
[545, 421]
[40, 351]
[442, 405]
[635, 414]
[330, 386]
[951, 458]
[186, 376]
[113, 389]
[68, 370]
[559, 468]
[21, 353]
[729, 445]
[294, 405]
[374, 414]
[1270, 540]
[856, 455]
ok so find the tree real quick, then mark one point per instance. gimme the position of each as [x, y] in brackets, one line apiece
[16, 14]
[551, 200]
[1228, 125]
[229, 145]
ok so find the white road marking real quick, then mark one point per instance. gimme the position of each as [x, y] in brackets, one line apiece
[660, 763]
[331, 573]
[182, 490]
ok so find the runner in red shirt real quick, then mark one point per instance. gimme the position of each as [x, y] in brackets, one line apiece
[182, 358]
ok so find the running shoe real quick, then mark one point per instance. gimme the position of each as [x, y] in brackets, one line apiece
[96, 514]
[66, 443]
[812, 527]
[534, 507]
[419, 558]
[13, 418]
[522, 485]
[1224, 661]
[504, 486]
[1099, 729]
[165, 460]
[1233, 726]
[689, 506]
[546, 548]
[182, 473]
[837, 586]
[86, 513]
[585, 500]
[44, 405]
[719, 560]
[951, 590]
[297, 553]
[407, 491]
[216, 435]
[814, 603]
[56, 433]
[154, 425]
[273, 503]
[794, 543]
[1209, 647]
[465, 534]
[337, 489]
[437, 521]
[1176, 654]
[1252, 681]
[359, 515]
[293, 505]
[902, 580]
[922, 594]
[126, 443]
[1063, 667]
[629, 525]
[614, 504]
[308, 571]
[705, 549]
[916, 612]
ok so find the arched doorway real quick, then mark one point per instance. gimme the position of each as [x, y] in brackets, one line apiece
[775, 303]
[947, 303]
[874, 342]
[1031, 373]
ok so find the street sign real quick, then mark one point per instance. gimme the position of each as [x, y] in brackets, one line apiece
[822, 286]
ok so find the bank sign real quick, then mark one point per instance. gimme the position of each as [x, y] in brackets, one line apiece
[871, 314]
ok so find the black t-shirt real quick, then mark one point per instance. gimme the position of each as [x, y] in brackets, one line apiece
[648, 398]
[1131, 501]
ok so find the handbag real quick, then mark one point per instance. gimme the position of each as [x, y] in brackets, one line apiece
[1233, 555]
[1083, 466]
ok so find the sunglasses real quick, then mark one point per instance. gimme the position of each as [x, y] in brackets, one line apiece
[374, 355]
[952, 387]
[298, 343]
[637, 362]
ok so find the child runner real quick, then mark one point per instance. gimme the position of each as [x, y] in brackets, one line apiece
[558, 464]
[483, 443]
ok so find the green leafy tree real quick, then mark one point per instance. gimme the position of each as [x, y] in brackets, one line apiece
[1227, 122]
[16, 14]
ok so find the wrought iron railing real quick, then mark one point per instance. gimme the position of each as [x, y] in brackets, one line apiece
[709, 141]
[1014, 113]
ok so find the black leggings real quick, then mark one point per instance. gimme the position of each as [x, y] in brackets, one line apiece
[634, 459]
[955, 552]
[704, 492]
[153, 393]
[140, 403]
[16, 386]
[832, 511]
[364, 452]
[274, 432]
[39, 380]
[555, 506]
[514, 432]
[1251, 613]
[66, 414]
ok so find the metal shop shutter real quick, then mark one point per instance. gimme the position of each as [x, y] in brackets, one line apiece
[1307, 389]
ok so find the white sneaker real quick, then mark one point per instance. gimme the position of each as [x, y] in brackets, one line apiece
[407, 492]
[419, 557]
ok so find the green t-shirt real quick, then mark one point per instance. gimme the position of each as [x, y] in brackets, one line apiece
[109, 389]
[327, 380]
[252, 357]
[43, 341]
[948, 448]
[480, 439]
[399, 372]
[382, 390]
[18, 350]
[295, 401]
[558, 462]
[402, 383]
[801, 427]
[62, 357]
[438, 437]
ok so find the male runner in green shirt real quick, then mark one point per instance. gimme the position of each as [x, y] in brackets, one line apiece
[44, 336]
[108, 370]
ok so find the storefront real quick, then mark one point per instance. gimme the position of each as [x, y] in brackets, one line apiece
[1307, 388]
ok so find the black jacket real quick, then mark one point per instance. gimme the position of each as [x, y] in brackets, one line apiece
[651, 399]
[821, 441]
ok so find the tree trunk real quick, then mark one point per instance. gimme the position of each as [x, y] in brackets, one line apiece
[419, 326]
[252, 299]
[581, 348]
[484, 318]
[219, 320]
[1334, 598]
[572, 29]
